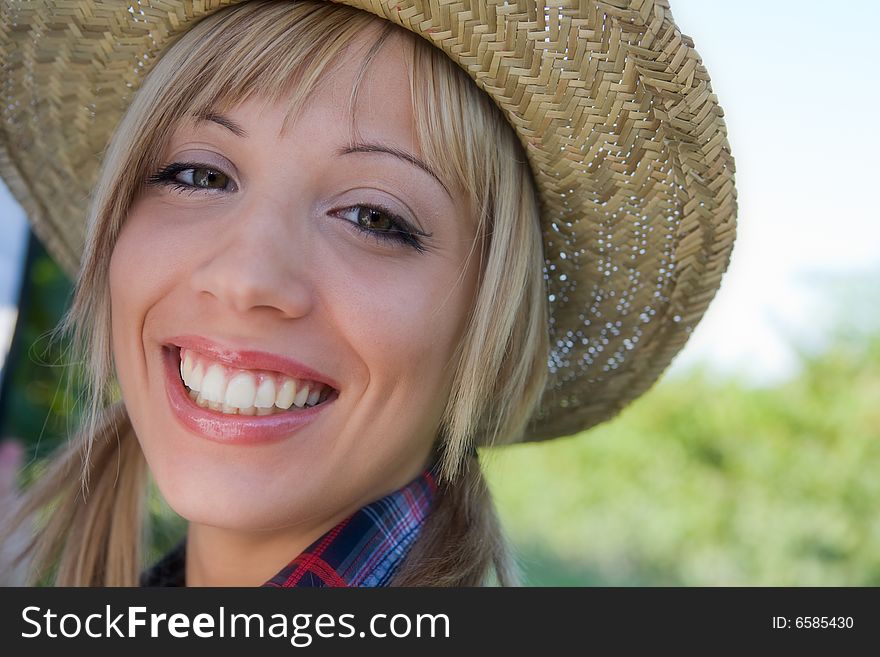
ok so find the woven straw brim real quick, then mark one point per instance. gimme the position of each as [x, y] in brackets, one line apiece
[611, 101]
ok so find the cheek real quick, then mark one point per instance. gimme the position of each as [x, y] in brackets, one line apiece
[405, 329]
[148, 258]
[400, 328]
[130, 278]
[140, 273]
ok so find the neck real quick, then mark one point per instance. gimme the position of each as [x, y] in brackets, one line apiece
[217, 556]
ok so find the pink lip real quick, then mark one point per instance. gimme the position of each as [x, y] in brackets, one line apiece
[233, 429]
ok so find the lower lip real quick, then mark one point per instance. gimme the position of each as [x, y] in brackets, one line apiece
[231, 429]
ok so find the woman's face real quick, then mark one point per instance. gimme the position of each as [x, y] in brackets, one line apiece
[258, 249]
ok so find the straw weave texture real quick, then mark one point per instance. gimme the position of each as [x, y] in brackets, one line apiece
[625, 137]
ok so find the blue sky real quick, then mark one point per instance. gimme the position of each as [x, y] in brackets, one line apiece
[799, 86]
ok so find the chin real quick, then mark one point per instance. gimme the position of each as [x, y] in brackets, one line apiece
[228, 510]
[233, 503]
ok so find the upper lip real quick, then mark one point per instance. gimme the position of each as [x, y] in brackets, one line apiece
[251, 359]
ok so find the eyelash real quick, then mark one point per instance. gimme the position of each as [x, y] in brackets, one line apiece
[402, 234]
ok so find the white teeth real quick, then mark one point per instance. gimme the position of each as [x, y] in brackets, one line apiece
[241, 390]
[214, 384]
[192, 371]
[285, 395]
[185, 367]
[265, 397]
[198, 375]
[245, 393]
[301, 396]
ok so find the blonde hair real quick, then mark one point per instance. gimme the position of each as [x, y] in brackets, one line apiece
[96, 524]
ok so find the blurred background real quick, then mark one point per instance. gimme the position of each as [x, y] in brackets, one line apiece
[753, 461]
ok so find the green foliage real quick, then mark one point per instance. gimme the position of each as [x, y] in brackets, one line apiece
[40, 411]
[708, 482]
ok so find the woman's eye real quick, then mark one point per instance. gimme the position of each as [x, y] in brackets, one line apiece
[372, 218]
[384, 226]
[203, 177]
[192, 177]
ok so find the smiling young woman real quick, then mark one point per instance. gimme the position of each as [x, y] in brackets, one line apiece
[314, 279]
[274, 240]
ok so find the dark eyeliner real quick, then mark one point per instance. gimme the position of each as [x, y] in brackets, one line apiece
[402, 234]
[166, 176]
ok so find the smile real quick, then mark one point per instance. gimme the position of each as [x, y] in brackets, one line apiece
[295, 402]
[233, 391]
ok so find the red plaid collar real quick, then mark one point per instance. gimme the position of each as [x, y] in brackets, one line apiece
[365, 549]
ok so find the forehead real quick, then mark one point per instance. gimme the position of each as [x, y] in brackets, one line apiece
[384, 100]
[383, 107]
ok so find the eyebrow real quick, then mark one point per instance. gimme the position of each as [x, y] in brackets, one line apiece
[396, 152]
[225, 121]
[358, 147]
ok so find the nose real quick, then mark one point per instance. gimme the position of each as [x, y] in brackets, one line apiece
[260, 260]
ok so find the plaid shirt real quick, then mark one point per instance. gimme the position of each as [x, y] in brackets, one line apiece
[365, 549]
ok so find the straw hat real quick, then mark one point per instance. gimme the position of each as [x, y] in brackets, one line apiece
[612, 103]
